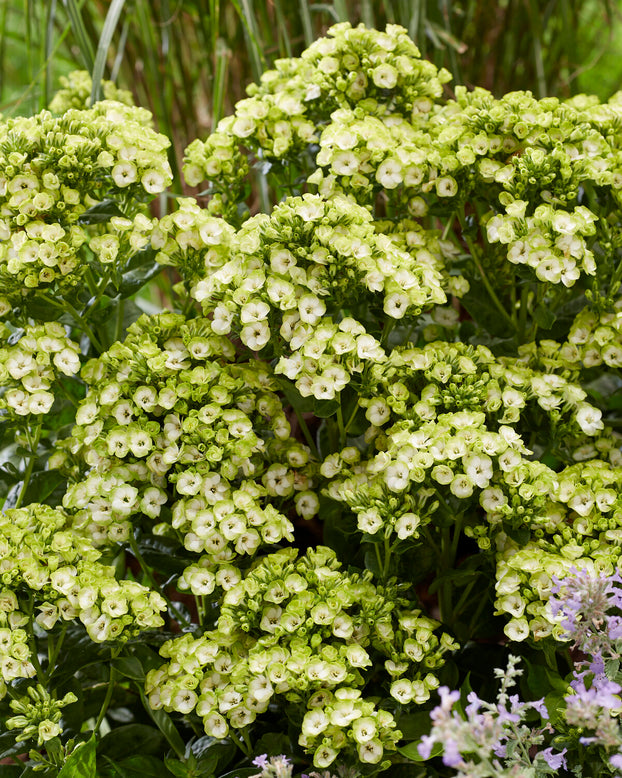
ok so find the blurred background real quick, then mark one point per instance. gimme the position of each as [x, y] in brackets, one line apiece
[189, 61]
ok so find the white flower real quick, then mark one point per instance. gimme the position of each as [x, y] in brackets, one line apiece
[517, 629]
[369, 521]
[589, 419]
[461, 486]
[345, 163]
[221, 321]
[396, 476]
[384, 76]
[255, 335]
[396, 305]
[478, 467]
[253, 311]
[389, 174]
[311, 309]
[406, 525]
[371, 751]
[40, 402]
[124, 174]
[446, 186]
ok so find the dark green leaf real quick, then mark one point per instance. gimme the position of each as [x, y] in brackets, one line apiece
[544, 317]
[42, 485]
[134, 767]
[134, 280]
[410, 751]
[324, 409]
[100, 213]
[294, 398]
[244, 772]
[105, 39]
[130, 667]
[81, 763]
[166, 727]
[121, 742]
[177, 768]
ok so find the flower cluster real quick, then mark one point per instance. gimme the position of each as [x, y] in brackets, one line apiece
[120, 239]
[490, 739]
[421, 384]
[170, 430]
[382, 72]
[31, 361]
[579, 525]
[76, 89]
[192, 240]
[37, 714]
[305, 630]
[49, 573]
[53, 170]
[293, 273]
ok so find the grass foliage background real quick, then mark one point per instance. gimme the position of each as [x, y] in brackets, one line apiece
[189, 61]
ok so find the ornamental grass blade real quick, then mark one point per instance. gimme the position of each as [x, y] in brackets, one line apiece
[105, 39]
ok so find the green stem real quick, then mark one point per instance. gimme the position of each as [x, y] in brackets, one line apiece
[353, 414]
[387, 559]
[118, 330]
[33, 443]
[342, 429]
[109, 691]
[75, 315]
[183, 622]
[307, 433]
[489, 288]
[54, 651]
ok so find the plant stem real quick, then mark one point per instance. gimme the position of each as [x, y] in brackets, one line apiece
[54, 652]
[109, 691]
[33, 443]
[183, 622]
[307, 433]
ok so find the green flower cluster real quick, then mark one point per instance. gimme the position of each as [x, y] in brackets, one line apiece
[379, 72]
[53, 170]
[594, 340]
[38, 714]
[76, 89]
[304, 629]
[49, 573]
[192, 240]
[31, 362]
[123, 237]
[172, 431]
[578, 524]
[422, 383]
[532, 157]
[293, 273]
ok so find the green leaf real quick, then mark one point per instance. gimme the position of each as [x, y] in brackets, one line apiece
[410, 751]
[81, 763]
[81, 35]
[42, 485]
[544, 317]
[294, 398]
[177, 768]
[134, 767]
[244, 772]
[130, 667]
[165, 725]
[121, 742]
[100, 213]
[324, 409]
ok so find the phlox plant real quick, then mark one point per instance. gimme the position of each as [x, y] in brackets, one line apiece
[347, 499]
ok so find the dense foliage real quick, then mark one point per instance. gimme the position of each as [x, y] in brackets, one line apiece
[370, 444]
